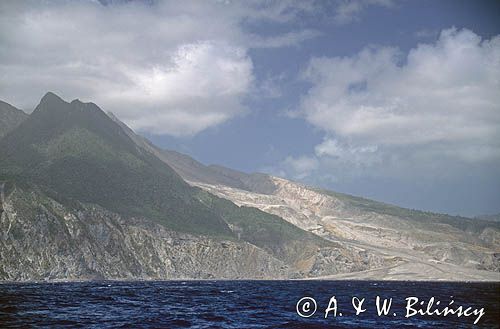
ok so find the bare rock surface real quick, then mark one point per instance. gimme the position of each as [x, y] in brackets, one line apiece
[420, 249]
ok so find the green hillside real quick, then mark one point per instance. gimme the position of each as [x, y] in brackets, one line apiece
[76, 152]
[265, 230]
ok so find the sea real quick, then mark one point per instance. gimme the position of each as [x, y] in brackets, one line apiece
[248, 304]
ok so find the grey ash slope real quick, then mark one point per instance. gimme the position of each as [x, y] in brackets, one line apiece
[83, 197]
[265, 184]
[428, 246]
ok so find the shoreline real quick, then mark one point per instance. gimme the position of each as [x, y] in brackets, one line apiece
[4, 282]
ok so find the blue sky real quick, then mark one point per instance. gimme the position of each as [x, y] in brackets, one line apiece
[392, 100]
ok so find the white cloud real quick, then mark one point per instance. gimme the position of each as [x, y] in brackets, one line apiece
[200, 88]
[172, 67]
[434, 112]
[442, 93]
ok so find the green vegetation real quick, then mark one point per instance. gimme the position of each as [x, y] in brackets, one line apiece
[75, 152]
[264, 230]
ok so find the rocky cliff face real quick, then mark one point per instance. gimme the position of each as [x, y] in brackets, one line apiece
[45, 240]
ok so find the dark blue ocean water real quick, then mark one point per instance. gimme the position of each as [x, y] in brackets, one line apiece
[235, 304]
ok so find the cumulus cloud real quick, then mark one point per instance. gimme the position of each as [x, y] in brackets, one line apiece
[168, 67]
[200, 87]
[384, 112]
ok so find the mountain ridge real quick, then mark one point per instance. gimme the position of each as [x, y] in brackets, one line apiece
[68, 165]
[428, 246]
[76, 150]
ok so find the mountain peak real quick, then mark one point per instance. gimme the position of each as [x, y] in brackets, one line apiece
[49, 103]
[50, 97]
[53, 105]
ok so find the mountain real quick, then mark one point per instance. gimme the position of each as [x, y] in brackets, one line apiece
[83, 197]
[10, 118]
[76, 151]
[427, 245]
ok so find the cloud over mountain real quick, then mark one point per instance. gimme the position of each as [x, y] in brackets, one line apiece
[165, 67]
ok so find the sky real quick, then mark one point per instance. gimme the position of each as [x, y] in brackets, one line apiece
[398, 101]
